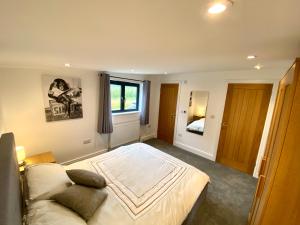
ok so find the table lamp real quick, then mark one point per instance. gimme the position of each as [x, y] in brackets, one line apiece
[21, 154]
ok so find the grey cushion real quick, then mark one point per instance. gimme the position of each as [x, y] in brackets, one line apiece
[83, 200]
[86, 178]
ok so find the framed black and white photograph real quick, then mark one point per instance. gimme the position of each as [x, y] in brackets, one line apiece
[191, 99]
[62, 97]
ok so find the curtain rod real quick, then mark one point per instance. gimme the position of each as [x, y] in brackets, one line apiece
[126, 78]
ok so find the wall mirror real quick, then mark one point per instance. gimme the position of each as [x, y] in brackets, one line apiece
[197, 112]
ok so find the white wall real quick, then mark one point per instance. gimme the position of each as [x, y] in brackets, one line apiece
[22, 111]
[216, 84]
[23, 114]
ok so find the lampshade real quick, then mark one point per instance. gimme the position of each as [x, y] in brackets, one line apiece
[20, 154]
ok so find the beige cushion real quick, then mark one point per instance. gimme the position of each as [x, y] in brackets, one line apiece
[83, 200]
[86, 178]
[47, 212]
[44, 180]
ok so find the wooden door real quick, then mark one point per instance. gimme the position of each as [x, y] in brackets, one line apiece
[277, 198]
[244, 117]
[167, 112]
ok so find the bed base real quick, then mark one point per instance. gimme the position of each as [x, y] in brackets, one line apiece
[194, 216]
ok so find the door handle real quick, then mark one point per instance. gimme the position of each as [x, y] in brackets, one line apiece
[224, 124]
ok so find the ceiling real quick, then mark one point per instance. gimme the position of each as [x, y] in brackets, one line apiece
[149, 36]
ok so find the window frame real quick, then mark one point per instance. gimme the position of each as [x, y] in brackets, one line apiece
[123, 84]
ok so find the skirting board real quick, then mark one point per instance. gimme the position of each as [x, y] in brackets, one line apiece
[147, 137]
[143, 138]
[90, 155]
[194, 150]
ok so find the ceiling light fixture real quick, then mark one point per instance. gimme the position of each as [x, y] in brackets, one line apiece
[258, 66]
[67, 65]
[219, 6]
[132, 70]
[251, 56]
[165, 73]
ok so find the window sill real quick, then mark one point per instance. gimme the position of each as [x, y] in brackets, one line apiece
[125, 113]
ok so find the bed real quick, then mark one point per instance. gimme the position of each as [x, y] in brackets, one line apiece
[196, 126]
[170, 193]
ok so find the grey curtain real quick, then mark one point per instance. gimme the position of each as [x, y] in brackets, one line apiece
[105, 117]
[145, 103]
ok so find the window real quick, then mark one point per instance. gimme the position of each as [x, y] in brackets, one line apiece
[124, 96]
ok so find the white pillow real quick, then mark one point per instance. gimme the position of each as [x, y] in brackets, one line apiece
[49, 212]
[45, 180]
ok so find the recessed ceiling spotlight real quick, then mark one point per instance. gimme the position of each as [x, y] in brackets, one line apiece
[67, 65]
[219, 6]
[165, 73]
[258, 66]
[251, 56]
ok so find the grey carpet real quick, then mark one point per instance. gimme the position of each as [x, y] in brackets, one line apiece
[229, 195]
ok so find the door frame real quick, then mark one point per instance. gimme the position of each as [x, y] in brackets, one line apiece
[179, 82]
[267, 125]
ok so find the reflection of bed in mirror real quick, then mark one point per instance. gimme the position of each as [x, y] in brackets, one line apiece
[197, 112]
[196, 126]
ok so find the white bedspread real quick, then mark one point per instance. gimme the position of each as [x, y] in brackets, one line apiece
[145, 186]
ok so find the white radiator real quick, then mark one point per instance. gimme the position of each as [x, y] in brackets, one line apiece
[125, 132]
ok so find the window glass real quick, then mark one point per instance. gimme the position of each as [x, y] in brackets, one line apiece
[124, 96]
[115, 91]
[130, 97]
